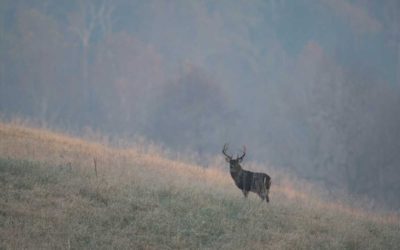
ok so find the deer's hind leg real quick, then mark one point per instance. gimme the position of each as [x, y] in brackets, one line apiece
[263, 195]
[261, 191]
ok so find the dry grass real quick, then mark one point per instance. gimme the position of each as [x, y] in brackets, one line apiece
[51, 199]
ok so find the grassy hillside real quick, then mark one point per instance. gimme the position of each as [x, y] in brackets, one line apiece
[53, 197]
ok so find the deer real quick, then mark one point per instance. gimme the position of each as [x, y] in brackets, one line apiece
[245, 180]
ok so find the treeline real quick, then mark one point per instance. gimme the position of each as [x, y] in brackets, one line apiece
[196, 74]
[76, 64]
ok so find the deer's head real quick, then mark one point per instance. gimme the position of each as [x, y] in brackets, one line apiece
[234, 163]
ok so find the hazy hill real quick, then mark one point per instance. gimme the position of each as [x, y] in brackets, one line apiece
[59, 192]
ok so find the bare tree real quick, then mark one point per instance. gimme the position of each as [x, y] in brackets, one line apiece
[89, 16]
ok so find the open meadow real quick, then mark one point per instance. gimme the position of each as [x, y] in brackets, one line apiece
[61, 192]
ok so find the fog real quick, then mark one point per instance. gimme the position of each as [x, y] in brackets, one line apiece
[309, 86]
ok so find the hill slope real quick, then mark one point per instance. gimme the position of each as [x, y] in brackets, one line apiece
[53, 196]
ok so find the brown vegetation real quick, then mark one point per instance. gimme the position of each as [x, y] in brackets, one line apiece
[51, 198]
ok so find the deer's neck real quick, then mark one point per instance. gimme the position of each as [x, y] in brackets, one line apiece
[237, 175]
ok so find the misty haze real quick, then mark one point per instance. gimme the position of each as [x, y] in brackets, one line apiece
[311, 87]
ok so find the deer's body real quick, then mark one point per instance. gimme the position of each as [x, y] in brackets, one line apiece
[248, 181]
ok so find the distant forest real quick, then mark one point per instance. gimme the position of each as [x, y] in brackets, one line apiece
[193, 75]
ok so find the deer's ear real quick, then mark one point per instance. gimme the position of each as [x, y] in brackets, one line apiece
[227, 159]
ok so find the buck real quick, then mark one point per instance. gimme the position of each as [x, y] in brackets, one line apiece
[247, 181]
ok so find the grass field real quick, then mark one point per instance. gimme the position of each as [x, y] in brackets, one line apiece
[54, 196]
